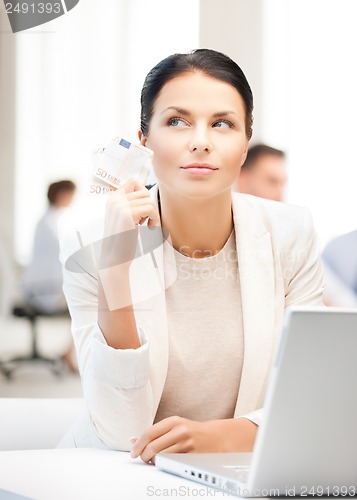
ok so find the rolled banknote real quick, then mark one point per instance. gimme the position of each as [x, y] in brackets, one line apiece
[119, 161]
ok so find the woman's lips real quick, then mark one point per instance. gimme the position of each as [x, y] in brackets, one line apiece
[199, 169]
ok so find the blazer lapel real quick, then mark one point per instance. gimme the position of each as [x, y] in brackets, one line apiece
[152, 278]
[150, 315]
[256, 274]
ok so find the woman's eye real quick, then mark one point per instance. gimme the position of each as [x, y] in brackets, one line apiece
[176, 122]
[223, 124]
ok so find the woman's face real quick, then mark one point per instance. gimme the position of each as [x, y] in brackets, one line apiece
[197, 133]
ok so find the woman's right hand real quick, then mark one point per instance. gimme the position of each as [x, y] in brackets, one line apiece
[126, 208]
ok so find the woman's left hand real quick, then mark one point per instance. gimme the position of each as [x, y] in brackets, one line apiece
[180, 435]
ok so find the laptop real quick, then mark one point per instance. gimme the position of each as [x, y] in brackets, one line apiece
[307, 442]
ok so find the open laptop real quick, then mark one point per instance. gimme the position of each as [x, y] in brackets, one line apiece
[307, 443]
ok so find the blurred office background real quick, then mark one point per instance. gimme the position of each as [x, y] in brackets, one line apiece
[69, 86]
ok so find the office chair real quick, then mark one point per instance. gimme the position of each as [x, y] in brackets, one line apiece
[56, 364]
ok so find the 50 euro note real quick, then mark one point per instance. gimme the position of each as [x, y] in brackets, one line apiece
[119, 161]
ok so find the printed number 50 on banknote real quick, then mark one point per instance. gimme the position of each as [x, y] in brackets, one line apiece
[119, 161]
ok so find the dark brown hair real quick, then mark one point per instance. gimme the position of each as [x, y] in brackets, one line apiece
[56, 188]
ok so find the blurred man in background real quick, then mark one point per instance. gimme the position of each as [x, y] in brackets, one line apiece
[263, 173]
[42, 281]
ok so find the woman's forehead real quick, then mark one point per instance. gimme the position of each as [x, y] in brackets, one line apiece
[193, 89]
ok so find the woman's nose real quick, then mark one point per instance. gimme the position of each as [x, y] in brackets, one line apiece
[200, 142]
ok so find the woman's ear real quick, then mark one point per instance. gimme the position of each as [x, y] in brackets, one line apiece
[142, 137]
[245, 152]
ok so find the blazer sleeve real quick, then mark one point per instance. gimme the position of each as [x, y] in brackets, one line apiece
[115, 382]
[302, 266]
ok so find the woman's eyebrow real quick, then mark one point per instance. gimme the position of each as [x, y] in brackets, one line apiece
[185, 112]
[225, 113]
[181, 111]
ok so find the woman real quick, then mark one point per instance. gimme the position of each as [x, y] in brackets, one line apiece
[183, 367]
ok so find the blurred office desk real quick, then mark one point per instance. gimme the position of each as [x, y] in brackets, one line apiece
[91, 474]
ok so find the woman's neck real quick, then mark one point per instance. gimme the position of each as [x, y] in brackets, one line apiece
[198, 228]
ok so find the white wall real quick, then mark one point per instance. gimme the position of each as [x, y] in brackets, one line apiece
[310, 105]
[323, 110]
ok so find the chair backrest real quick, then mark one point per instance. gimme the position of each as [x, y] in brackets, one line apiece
[36, 423]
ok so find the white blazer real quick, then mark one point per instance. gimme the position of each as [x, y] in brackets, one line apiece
[279, 266]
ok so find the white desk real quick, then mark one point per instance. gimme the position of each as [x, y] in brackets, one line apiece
[91, 474]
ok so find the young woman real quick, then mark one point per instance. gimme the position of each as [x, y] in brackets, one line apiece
[175, 351]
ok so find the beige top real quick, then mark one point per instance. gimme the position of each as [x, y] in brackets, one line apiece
[205, 337]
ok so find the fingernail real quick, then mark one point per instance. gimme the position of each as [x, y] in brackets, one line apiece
[133, 439]
[133, 454]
